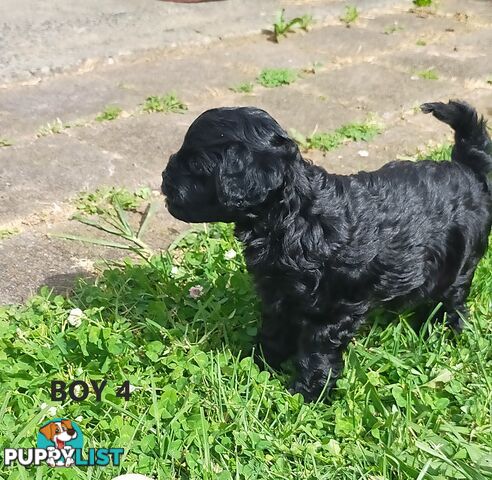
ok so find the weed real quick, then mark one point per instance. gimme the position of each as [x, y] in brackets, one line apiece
[52, 128]
[436, 153]
[111, 112]
[358, 132]
[393, 28]
[168, 103]
[96, 202]
[326, 141]
[5, 143]
[429, 74]
[421, 43]
[489, 80]
[275, 77]
[110, 207]
[313, 68]
[350, 16]
[8, 232]
[282, 26]
[422, 3]
[245, 87]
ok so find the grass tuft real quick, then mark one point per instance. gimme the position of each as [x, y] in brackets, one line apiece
[5, 143]
[350, 16]
[429, 74]
[390, 29]
[168, 103]
[8, 232]
[93, 203]
[276, 77]
[52, 128]
[282, 27]
[245, 87]
[326, 141]
[437, 153]
[111, 112]
[422, 3]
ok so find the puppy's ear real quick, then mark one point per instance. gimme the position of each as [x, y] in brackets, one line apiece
[246, 178]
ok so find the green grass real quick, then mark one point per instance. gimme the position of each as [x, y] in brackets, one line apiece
[276, 77]
[326, 141]
[97, 202]
[5, 143]
[421, 43]
[51, 128]
[390, 29]
[168, 103]
[282, 26]
[245, 87]
[408, 406]
[438, 153]
[429, 74]
[350, 16]
[111, 112]
[8, 232]
[423, 3]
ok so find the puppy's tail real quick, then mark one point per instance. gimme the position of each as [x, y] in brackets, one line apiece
[472, 144]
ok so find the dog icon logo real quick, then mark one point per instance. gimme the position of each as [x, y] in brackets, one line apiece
[63, 435]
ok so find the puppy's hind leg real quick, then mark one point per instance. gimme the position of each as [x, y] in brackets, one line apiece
[454, 299]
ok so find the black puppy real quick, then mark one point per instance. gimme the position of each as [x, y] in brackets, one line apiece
[324, 249]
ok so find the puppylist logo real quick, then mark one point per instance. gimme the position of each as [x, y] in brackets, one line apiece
[59, 444]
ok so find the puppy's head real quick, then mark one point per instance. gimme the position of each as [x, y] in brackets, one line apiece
[231, 163]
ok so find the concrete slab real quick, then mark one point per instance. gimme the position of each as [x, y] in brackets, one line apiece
[44, 39]
[447, 62]
[361, 86]
[33, 177]
[34, 258]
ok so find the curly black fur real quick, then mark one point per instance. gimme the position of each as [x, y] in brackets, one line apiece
[324, 249]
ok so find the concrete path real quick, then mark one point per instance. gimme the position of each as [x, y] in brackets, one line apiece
[65, 61]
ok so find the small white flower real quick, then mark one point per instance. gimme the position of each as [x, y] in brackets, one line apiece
[51, 411]
[196, 291]
[75, 317]
[79, 418]
[363, 153]
[174, 270]
[230, 254]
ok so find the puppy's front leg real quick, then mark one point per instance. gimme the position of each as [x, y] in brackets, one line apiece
[321, 356]
[277, 339]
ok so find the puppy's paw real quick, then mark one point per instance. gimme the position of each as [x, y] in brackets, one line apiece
[267, 358]
[309, 394]
[455, 321]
